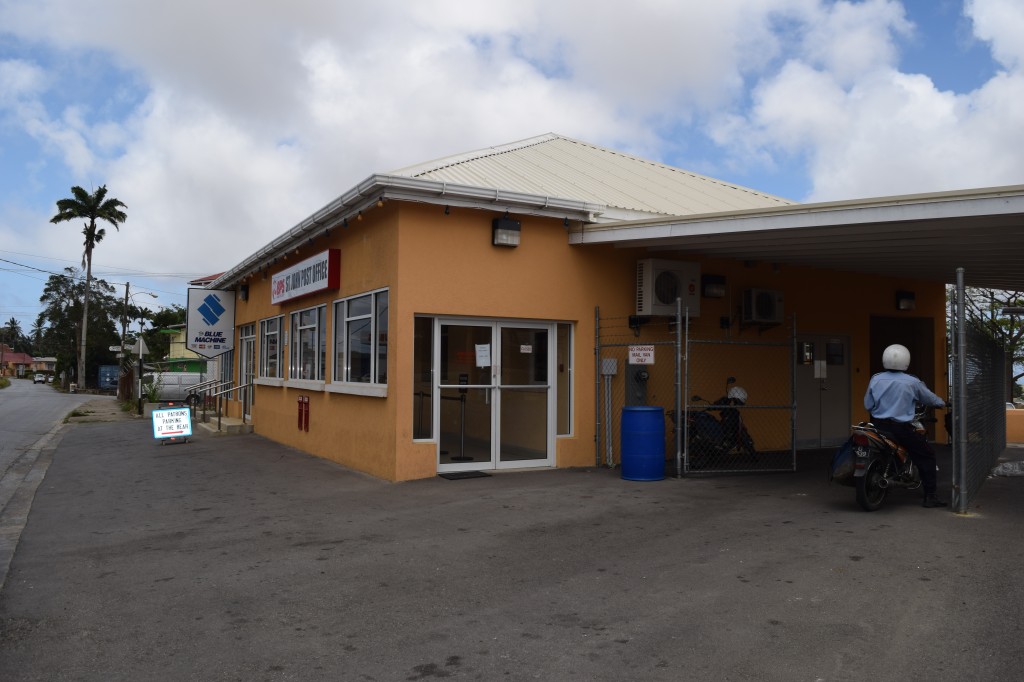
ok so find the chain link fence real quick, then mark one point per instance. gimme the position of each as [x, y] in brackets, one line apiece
[979, 404]
[641, 362]
[638, 363]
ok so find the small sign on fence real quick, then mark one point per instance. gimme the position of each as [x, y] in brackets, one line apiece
[641, 355]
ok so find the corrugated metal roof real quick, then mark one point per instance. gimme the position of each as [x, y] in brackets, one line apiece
[557, 166]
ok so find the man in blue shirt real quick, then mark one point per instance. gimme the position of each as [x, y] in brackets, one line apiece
[891, 399]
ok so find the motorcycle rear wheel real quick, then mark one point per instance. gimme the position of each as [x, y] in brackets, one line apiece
[870, 491]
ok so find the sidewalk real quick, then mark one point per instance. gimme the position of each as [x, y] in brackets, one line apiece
[236, 558]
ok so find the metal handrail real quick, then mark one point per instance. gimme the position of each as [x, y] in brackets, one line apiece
[207, 383]
[218, 395]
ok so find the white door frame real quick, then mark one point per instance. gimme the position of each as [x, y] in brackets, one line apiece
[495, 388]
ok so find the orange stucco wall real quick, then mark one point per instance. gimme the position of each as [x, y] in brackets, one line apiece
[438, 264]
[1015, 426]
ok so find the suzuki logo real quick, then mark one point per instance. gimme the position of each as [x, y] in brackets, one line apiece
[211, 309]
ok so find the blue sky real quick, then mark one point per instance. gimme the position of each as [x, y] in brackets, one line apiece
[221, 125]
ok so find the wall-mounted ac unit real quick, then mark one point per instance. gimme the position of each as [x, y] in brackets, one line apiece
[762, 306]
[660, 282]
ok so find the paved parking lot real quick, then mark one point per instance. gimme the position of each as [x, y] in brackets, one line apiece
[234, 558]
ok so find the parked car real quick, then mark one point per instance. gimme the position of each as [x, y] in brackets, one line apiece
[39, 378]
[1011, 406]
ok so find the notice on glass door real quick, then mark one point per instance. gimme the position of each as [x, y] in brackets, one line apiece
[483, 355]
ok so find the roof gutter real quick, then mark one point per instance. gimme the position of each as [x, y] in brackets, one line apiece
[396, 187]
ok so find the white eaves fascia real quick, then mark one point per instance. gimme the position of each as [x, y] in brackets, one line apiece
[933, 206]
[396, 187]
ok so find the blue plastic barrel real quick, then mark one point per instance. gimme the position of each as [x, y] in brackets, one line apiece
[643, 443]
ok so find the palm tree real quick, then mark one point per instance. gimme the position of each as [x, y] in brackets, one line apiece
[90, 207]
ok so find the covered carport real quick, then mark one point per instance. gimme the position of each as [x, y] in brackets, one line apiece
[966, 238]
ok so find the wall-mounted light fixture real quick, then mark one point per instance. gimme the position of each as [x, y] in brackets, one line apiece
[447, 210]
[344, 223]
[905, 300]
[505, 231]
[380, 202]
[359, 216]
[712, 286]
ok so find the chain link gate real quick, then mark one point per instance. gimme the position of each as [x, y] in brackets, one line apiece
[701, 437]
[740, 410]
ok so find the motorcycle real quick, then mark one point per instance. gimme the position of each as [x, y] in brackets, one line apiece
[874, 463]
[711, 438]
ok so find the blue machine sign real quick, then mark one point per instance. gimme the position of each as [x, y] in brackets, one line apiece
[174, 422]
[211, 322]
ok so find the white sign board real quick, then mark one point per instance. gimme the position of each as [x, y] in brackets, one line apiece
[483, 355]
[210, 324]
[174, 422]
[318, 273]
[641, 355]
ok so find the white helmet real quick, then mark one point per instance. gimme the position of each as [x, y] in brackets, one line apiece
[737, 393]
[896, 357]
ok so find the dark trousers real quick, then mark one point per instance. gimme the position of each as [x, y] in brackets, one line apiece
[918, 447]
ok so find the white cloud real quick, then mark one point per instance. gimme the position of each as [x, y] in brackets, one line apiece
[249, 116]
[874, 131]
[19, 79]
[1001, 23]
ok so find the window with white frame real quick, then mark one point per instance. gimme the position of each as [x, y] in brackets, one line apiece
[271, 348]
[361, 339]
[308, 348]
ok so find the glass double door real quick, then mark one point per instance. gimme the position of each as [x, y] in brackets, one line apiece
[493, 392]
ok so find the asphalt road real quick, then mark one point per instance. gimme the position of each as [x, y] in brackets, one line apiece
[234, 558]
[27, 412]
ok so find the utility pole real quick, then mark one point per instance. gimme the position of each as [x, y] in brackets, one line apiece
[124, 330]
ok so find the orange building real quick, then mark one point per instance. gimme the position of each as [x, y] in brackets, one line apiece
[444, 317]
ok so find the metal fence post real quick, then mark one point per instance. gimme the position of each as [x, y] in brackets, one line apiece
[960, 441]
[597, 386]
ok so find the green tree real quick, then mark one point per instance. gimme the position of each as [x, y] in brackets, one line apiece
[62, 299]
[983, 310]
[91, 208]
[12, 334]
[36, 336]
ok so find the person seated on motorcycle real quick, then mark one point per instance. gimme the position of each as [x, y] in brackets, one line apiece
[732, 425]
[891, 399]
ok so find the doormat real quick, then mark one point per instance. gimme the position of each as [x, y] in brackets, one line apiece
[457, 475]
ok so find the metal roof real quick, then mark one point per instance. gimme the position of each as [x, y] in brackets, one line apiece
[921, 236]
[614, 198]
[629, 187]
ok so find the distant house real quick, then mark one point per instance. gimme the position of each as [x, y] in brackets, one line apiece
[13, 363]
[47, 365]
[179, 357]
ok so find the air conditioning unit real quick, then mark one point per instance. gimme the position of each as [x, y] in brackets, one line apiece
[660, 282]
[762, 306]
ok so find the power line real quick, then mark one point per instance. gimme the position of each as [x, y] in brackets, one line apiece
[113, 269]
